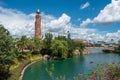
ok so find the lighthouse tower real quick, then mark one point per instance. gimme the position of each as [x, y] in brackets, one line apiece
[38, 24]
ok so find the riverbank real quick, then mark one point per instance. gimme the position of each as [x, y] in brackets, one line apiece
[17, 73]
[22, 73]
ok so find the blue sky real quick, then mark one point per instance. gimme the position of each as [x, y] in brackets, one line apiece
[85, 19]
[57, 7]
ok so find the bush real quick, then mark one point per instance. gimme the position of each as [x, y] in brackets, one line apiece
[4, 72]
[35, 52]
[117, 49]
[106, 72]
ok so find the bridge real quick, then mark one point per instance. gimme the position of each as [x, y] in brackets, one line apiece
[108, 49]
[104, 49]
[93, 48]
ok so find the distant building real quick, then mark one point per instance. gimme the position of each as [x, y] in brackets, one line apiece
[87, 43]
[38, 33]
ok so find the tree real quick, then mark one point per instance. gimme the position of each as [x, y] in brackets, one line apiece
[22, 43]
[30, 44]
[59, 48]
[47, 43]
[80, 46]
[6, 53]
[71, 46]
[38, 45]
[47, 40]
[61, 38]
[70, 42]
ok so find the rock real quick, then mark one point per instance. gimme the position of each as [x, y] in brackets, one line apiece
[86, 51]
[46, 57]
[76, 52]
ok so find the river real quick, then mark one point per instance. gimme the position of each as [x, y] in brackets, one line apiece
[69, 67]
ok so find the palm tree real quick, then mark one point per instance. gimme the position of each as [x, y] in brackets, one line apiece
[30, 44]
[22, 43]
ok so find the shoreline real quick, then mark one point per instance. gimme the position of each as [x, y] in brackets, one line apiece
[23, 70]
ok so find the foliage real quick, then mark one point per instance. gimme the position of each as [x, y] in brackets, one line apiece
[117, 49]
[71, 46]
[59, 48]
[100, 72]
[47, 40]
[4, 72]
[24, 48]
[22, 43]
[35, 52]
[38, 44]
[80, 46]
[47, 43]
[70, 43]
[107, 72]
[61, 38]
[6, 53]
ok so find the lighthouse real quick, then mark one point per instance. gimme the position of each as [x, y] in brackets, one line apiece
[38, 25]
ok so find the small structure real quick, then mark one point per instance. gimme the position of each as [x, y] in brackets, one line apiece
[108, 47]
[68, 35]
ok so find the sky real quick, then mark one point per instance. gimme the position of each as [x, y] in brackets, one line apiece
[95, 20]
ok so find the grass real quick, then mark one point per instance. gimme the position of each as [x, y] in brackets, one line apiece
[17, 68]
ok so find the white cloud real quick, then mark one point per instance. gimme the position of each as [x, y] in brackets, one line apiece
[81, 33]
[115, 36]
[56, 26]
[19, 23]
[110, 14]
[86, 22]
[83, 6]
[16, 22]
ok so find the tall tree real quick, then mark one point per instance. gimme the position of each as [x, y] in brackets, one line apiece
[47, 40]
[47, 43]
[6, 53]
[38, 44]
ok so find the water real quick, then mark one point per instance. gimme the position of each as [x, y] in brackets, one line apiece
[69, 67]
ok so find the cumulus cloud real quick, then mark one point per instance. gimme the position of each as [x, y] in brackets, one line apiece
[19, 23]
[81, 33]
[16, 22]
[115, 36]
[58, 25]
[86, 22]
[110, 14]
[83, 6]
